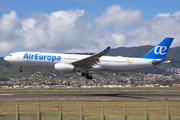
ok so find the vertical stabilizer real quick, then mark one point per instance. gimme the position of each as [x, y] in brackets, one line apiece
[160, 51]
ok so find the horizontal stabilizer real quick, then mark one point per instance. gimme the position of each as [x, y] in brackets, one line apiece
[155, 62]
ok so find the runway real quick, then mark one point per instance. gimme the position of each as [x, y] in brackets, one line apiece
[89, 96]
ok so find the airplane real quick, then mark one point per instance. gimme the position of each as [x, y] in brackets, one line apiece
[96, 62]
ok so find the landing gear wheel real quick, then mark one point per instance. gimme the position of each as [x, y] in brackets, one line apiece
[20, 70]
[83, 74]
[88, 77]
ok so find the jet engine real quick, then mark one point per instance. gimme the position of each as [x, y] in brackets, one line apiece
[64, 67]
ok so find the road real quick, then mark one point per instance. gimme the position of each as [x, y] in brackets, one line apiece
[90, 96]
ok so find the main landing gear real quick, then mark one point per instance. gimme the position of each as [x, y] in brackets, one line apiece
[20, 70]
[86, 74]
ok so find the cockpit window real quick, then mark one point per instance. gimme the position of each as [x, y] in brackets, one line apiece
[10, 55]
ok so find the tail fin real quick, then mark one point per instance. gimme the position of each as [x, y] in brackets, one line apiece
[159, 52]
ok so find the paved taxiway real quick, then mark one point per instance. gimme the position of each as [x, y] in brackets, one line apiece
[90, 96]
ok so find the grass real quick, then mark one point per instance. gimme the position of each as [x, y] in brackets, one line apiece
[93, 107]
[81, 90]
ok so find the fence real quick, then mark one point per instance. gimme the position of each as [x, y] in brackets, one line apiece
[59, 116]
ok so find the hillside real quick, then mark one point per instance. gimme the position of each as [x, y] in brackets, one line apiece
[130, 51]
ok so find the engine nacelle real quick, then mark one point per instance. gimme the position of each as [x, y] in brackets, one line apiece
[64, 67]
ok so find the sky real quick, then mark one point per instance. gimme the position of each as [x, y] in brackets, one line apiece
[62, 26]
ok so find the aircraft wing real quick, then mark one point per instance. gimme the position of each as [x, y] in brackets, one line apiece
[90, 61]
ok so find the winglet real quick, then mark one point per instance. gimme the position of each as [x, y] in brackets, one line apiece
[107, 49]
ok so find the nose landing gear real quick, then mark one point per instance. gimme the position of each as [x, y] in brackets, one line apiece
[20, 70]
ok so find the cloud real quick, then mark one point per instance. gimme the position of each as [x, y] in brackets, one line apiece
[151, 32]
[61, 31]
[75, 31]
[117, 16]
[8, 37]
[4, 45]
[8, 23]
[50, 31]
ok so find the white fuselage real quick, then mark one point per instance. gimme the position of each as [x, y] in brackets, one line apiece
[106, 63]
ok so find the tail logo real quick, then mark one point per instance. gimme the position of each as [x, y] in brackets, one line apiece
[160, 50]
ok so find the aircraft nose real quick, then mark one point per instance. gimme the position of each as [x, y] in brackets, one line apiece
[5, 58]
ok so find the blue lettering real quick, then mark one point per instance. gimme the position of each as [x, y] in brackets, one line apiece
[32, 57]
[29, 56]
[41, 58]
[25, 56]
[49, 57]
[53, 58]
[58, 58]
[36, 56]
[45, 57]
